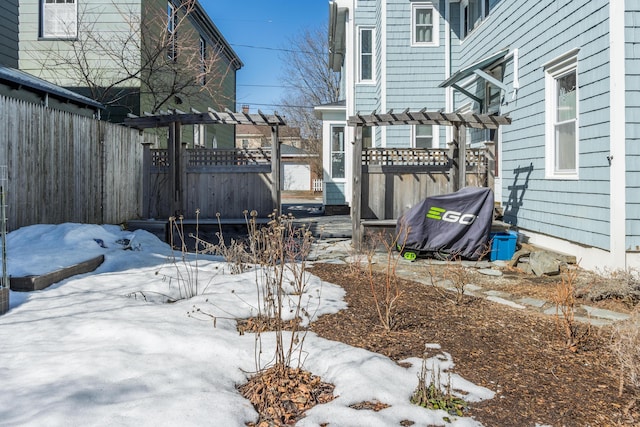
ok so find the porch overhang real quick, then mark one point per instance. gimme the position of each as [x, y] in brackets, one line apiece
[476, 69]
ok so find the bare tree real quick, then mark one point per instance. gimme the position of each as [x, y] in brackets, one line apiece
[310, 82]
[155, 55]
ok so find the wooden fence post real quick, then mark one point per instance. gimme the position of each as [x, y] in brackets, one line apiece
[146, 178]
[275, 170]
[356, 198]
[462, 156]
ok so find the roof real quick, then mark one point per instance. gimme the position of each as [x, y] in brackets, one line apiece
[283, 131]
[19, 79]
[204, 19]
[468, 70]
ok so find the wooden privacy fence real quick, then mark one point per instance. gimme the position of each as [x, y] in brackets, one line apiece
[393, 179]
[215, 181]
[63, 167]
[388, 182]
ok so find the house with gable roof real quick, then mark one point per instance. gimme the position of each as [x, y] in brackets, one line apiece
[565, 72]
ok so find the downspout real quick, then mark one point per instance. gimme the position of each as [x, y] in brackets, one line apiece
[448, 91]
[617, 139]
[516, 75]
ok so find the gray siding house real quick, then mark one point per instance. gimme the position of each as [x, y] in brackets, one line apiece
[9, 33]
[566, 73]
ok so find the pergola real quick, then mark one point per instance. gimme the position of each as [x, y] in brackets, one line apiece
[174, 119]
[458, 121]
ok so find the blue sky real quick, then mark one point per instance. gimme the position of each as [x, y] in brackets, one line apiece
[256, 29]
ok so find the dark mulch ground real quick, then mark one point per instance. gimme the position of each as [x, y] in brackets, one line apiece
[518, 354]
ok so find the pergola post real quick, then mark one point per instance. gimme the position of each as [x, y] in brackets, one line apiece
[356, 198]
[175, 169]
[146, 179]
[276, 170]
[462, 156]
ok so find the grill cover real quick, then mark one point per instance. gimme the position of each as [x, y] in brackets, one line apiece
[456, 224]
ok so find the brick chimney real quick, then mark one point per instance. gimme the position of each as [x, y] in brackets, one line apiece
[245, 109]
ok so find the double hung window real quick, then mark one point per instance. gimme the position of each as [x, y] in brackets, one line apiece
[561, 92]
[59, 19]
[337, 152]
[366, 55]
[424, 24]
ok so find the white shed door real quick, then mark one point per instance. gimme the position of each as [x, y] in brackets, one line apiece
[296, 177]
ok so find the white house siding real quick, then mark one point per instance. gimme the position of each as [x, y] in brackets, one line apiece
[574, 210]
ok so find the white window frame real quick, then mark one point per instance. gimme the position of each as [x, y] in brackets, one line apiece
[199, 134]
[372, 54]
[467, 27]
[51, 13]
[343, 152]
[435, 41]
[554, 70]
[435, 136]
[203, 61]
[172, 31]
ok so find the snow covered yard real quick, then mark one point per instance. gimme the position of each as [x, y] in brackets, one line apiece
[106, 349]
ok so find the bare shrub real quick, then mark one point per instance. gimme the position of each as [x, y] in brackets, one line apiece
[622, 285]
[186, 271]
[386, 294]
[625, 345]
[455, 274]
[565, 299]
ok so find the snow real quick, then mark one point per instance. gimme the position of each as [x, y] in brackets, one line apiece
[106, 349]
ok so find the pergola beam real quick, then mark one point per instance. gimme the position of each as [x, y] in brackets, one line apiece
[165, 118]
[423, 117]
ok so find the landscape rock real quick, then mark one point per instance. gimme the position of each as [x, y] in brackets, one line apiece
[544, 263]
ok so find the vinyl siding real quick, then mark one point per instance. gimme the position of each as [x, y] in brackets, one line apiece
[9, 33]
[575, 210]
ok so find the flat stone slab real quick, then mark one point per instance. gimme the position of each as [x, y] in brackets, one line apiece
[534, 302]
[490, 272]
[37, 283]
[506, 302]
[605, 314]
[499, 294]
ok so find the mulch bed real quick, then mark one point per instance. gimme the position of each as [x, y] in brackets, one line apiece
[518, 354]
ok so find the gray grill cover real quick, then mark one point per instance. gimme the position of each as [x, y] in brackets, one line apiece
[458, 224]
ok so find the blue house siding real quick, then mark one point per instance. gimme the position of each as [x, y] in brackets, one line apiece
[575, 210]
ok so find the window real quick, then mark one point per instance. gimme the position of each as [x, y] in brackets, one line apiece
[424, 24]
[423, 136]
[337, 152]
[473, 11]
[203, 61]
[366, 55]
[172, 32]
[367, 137]
[59, 19]
[198, 135]
[561, 93]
